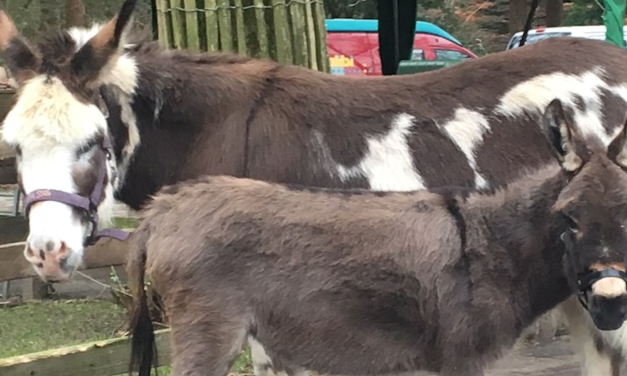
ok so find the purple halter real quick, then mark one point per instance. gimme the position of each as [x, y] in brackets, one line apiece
[88, 204]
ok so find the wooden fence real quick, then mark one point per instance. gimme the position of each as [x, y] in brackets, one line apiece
[287, 31]
[100, 358]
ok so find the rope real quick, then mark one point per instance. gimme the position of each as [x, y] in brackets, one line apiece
[218, 7]
[102, 284]
[9, 245]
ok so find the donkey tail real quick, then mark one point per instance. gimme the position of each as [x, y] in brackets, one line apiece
[143, 346]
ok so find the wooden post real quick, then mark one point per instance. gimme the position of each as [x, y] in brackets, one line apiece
[34, 289]
[240, 28]
[290, 32]
[321, 38]
[178, 31]
[282, 41]
[262, 30]
[74, 13]
[226, 29]
[162, 21]
[311, 36]
[299, 34]
[211, 17]
[191, 25]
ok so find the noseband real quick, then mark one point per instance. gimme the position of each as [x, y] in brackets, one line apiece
[585, 280]
[89, 205]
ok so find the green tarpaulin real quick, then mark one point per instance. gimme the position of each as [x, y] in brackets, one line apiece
[613, 17]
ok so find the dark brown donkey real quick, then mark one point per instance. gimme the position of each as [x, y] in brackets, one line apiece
[175, 115]
[361, 283]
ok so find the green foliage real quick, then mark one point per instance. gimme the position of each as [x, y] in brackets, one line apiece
[36, 17]
[446, 17]
[584, 12]
[351, 9]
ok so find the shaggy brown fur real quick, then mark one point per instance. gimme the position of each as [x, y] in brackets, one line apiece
[358, 283]
[252, 118]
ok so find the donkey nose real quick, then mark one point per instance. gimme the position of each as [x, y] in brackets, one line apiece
[49, 259]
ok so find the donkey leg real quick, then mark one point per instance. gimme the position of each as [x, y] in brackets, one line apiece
[262, 364]
[593, 360]
[205, 346]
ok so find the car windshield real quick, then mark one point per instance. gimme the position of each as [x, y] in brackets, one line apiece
[535, 38]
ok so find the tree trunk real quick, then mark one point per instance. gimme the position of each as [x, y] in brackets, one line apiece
[554, 12]
[518, 10]
[74, 13]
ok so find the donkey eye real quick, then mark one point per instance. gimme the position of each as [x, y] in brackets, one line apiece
[85, 148]
[574, 227]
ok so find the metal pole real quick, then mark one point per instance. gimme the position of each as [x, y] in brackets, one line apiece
[397, 47]
[532, 12]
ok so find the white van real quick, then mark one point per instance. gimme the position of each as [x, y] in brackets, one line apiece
[541, 33]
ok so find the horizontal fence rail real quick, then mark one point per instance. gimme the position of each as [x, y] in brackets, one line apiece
[101, 358]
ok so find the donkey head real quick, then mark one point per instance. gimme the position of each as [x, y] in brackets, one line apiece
[58, 128]
[594, 207]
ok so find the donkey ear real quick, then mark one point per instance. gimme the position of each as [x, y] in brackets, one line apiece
[616, 150]
[20, 59]
[562, 135]
[105, 46]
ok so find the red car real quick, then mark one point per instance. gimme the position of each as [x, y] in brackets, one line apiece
[353, 46]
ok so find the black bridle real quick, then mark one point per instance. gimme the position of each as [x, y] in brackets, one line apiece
[88, 205]
[585, 280]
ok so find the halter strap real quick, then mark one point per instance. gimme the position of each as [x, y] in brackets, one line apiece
[87, 205]
[586, 280]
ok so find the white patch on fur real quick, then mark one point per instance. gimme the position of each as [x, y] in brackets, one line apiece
[130, 121]
[610, 287]
[466, 130]
[83, 35]
[581, 334]
[388, 164]
[50, 124]
[535, 94]
[262, 364]
[122, 74]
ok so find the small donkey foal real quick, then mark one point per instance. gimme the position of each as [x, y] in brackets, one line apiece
[370, 283]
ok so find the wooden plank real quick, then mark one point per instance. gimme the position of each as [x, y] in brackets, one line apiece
[240, 28]
[12, 229]
[107, 252]
[191, 25]
[178, 28]
[321, 38]
[262, 30]
[213, 34]
[311, 36]
[101, 358]
[281, 33]
[226, 29]
[299, 34]
[6, 151]
[8, 174]
[162, 22]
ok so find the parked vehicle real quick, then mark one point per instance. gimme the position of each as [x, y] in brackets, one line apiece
[541, 33]
[353, 46]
